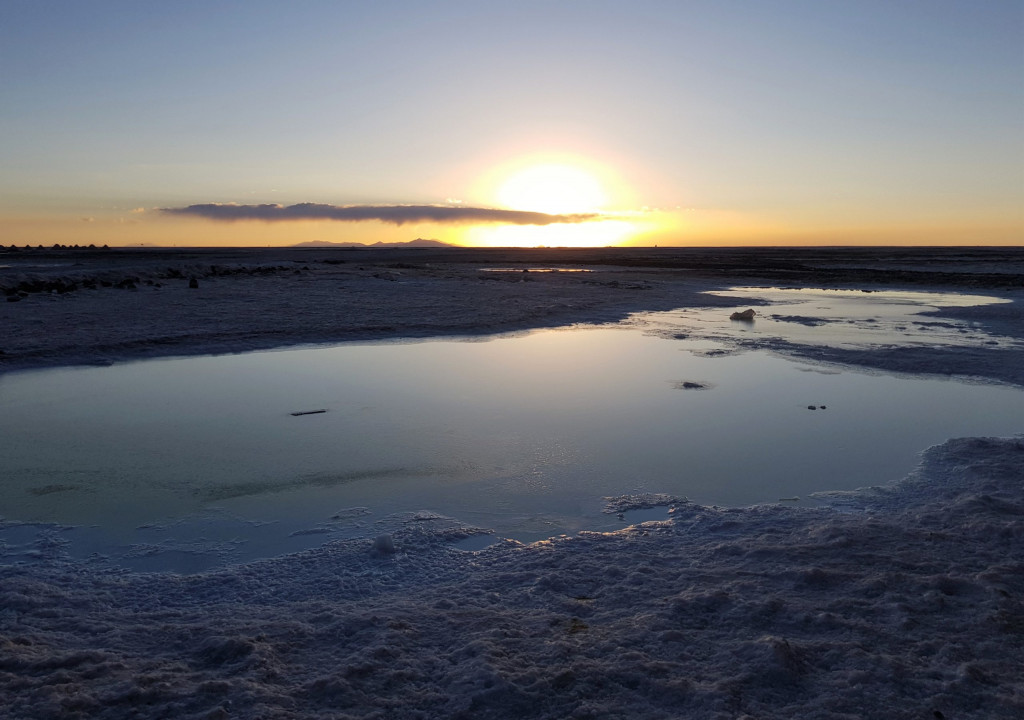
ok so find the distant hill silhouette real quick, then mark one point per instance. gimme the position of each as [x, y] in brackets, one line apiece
[418, 242]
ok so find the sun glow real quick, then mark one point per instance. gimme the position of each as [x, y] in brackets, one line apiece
[553, 188]
[597, 233]
[556, 185]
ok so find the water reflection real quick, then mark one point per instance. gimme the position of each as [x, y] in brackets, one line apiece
[853, 319]
[206, 457]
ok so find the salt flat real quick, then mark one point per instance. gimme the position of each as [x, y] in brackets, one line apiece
[896, 601]
[94, 306]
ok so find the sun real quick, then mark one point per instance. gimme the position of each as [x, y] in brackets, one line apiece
[553, 188]
[561, 185]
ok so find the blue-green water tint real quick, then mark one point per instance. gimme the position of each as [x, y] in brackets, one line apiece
[191, 461]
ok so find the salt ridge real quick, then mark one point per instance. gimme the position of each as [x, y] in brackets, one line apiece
[903, 601]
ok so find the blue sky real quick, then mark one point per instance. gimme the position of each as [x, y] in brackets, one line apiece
[807, 121]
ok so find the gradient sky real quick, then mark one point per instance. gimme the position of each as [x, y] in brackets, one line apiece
[715, 122]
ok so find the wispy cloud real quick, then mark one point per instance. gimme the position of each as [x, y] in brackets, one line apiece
[396, 214]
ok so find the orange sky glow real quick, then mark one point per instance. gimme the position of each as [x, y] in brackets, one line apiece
[796, 123]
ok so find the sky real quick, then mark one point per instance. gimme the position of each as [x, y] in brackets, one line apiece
[718, 122]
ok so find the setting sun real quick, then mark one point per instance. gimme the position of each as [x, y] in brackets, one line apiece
[556, 185]
[552, 188]
[448, 126]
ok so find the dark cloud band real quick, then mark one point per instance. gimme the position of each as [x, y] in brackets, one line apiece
[397, 214]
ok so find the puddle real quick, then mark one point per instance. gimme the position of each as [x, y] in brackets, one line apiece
[189, 463]
[851, 319]
[476, 542]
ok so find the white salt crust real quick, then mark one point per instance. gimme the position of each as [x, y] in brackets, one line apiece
[904, 601]
[900, 602]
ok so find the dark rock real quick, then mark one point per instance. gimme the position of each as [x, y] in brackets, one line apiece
[193, 282]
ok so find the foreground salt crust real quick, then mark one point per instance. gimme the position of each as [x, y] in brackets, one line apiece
[897, 602]
[902, 602]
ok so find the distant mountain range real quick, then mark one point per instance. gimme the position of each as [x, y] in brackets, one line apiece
[418, 242]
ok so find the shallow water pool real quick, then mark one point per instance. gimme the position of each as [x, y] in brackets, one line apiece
[185, 463]
[850, 319]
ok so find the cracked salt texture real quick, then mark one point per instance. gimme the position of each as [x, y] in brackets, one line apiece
[902, 601]
[905, 604]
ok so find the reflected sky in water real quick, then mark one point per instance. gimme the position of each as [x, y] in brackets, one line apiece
[851, 319]
[523, 434]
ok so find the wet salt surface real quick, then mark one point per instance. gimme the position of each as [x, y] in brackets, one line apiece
[893, 601]
[187, 464]
[906, 604]
[849, 319]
